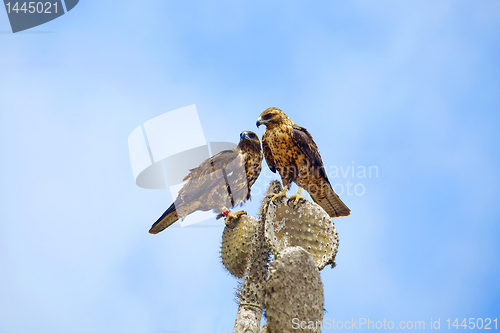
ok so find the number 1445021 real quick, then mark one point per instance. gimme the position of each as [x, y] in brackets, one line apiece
[31, 7]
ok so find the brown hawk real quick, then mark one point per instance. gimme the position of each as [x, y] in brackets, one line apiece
[224, 180]
[291, 150]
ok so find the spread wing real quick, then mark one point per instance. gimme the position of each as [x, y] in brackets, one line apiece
[206, 188]
[208, 175]
[268, 154]
[305, 142]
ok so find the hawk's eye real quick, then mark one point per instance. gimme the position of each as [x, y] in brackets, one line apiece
[251, 135]
[266, 116]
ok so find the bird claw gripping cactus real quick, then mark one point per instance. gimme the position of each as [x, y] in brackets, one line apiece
[303, 241]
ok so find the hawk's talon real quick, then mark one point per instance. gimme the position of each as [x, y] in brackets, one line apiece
[277, 198]
[233, 216]
[297, 198]
[279, 195]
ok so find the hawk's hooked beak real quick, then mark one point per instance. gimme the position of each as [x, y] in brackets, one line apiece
[259, 122]
[243, 135]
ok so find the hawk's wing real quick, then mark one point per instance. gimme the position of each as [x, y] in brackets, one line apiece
[305, 142]
[326, 198]
[253, 168]
[206, 187]
[268, 155]
[208, 175]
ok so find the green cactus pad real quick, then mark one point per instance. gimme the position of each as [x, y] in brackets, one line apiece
[294, 290]
[236, 245]
[306, 225]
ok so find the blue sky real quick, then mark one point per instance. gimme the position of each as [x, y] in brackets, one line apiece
[409, 87]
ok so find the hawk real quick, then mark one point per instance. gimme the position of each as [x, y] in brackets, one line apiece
[221, 181]
[291, 150]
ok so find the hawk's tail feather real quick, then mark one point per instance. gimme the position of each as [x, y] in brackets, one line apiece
[167, 219]
[332, 203]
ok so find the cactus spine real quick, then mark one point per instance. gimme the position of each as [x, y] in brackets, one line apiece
[303, 240]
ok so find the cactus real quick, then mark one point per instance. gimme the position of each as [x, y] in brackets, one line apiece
[251, 290]
[236, 245]
[303, 241]
[308, 226]
[294, 290]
